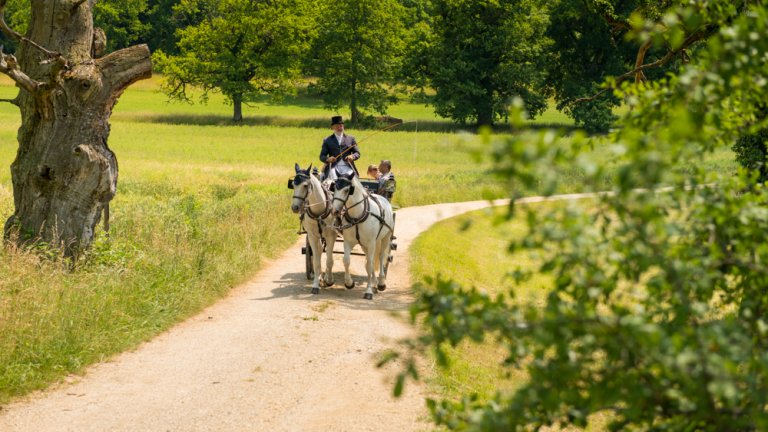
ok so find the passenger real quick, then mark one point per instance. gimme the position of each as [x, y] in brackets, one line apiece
[386, 180]
[339, 152]
[373, 172]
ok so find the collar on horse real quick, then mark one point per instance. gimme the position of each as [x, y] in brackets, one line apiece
[354, 222]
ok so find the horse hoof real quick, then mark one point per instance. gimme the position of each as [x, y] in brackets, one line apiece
[368, 296]
[349, 286]
[328, 284]
[315, 290]
[381, 287]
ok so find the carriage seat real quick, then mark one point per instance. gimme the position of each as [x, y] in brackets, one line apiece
[370, 185]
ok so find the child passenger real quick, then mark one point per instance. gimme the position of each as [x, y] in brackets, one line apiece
[373, 172]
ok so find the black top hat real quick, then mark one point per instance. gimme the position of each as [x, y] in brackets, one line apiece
[336, 120]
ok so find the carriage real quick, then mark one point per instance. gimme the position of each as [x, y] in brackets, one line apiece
[327, 229]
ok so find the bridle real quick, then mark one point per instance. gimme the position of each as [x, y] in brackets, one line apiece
[306, 206]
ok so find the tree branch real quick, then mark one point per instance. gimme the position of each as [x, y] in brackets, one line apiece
[640, 76]
[124, 67]
[19, 38]
[639, 68]
[10, 67]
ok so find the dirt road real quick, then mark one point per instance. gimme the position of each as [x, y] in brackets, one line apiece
[269, 357]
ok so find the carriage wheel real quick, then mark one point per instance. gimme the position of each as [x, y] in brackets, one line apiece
[308, 259]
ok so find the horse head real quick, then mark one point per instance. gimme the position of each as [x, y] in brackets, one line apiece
[300, 185]
[343, 188]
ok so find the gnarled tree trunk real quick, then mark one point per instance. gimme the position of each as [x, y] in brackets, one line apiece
[64, 173]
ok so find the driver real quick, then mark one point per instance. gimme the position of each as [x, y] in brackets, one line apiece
[339, 152]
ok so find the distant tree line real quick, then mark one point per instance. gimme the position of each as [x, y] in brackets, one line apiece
[469, 59]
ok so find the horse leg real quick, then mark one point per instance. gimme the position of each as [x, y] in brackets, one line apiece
[370, 255]
[348, 282]
[383, 256]
[317, 251]
[330, 240]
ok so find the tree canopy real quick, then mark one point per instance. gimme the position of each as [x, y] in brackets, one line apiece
[485, 53]
[241, 49]
[357, 53]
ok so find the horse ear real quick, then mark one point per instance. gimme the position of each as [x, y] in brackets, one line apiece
[297, 168]
[309, 167]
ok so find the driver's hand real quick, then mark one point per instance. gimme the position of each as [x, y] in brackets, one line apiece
[349, 158]
[330, 159]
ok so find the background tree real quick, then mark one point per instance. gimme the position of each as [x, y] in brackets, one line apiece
[591, 45]
[419, 41]
[485, 53]
[16, 16]
[162, 22]
[357, 54]
[64, 173]
[242, 49]
[657, 312]
[121, 20]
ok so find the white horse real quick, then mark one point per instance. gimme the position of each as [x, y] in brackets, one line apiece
[313, 203]
[367, 219]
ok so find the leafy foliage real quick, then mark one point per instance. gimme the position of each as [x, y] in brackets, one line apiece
[241, 49]
[590, 45]
[751, 151]
[163, 22]
[485, 53]
[357, 54]
[121, 21]
[657, 314]
[17, 17]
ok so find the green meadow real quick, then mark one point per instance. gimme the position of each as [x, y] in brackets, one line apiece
[201, 203]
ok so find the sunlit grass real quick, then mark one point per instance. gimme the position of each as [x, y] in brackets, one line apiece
[199, 207]
[472, 251]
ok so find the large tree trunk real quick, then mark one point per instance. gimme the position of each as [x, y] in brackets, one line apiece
[64, 173]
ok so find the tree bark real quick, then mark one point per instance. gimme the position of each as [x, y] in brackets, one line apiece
[237, 103]
[64, 173]
[354, 111]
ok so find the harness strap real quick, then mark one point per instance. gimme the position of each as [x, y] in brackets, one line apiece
[328, 207]
[355, 222]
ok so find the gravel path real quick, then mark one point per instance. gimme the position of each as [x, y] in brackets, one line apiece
[269, 357]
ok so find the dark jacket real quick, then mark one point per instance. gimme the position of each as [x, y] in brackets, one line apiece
[331, 147]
